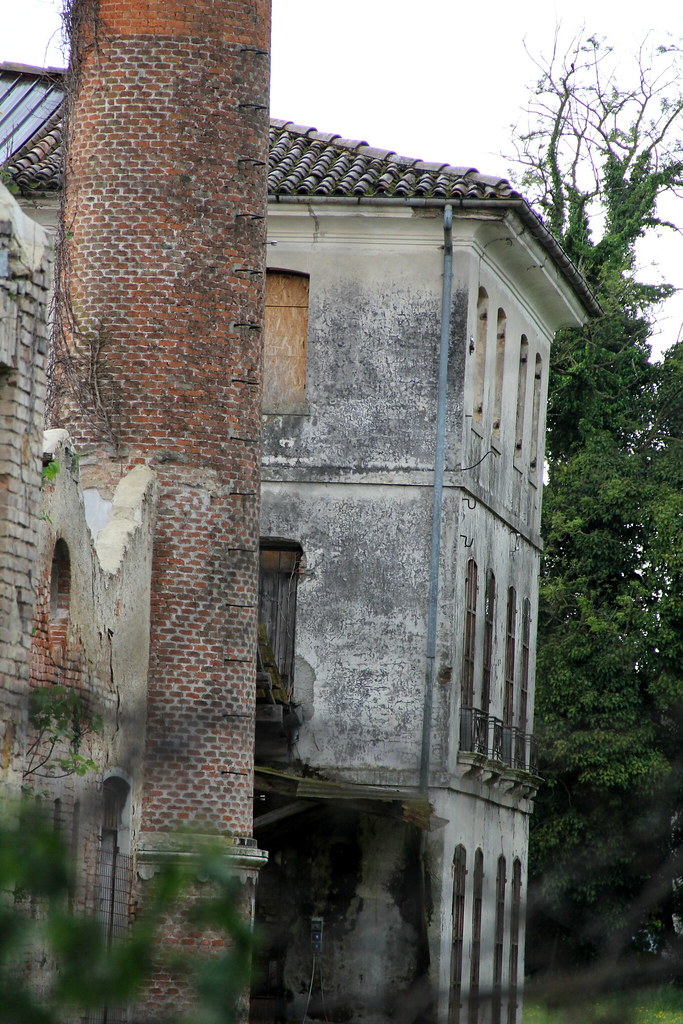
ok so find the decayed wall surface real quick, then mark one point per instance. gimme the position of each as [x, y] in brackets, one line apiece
[91, 639]
[348, 476]
[24, 282]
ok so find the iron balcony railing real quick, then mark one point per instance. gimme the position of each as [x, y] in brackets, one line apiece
[485, 734]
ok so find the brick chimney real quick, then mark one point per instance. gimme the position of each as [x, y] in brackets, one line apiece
[161, 308]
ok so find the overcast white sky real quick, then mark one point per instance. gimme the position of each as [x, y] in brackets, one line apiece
[437, 79]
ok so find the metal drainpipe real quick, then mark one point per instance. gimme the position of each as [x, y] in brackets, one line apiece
[437, 500]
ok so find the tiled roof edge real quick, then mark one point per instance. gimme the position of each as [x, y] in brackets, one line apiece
[363, 148]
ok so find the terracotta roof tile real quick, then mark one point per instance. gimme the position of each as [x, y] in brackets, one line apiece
[302, 162]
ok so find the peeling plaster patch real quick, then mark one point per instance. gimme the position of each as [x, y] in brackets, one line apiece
[126, 516]
[97, 511]
[304, 686]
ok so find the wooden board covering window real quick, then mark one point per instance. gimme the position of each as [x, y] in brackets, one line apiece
[286, 335]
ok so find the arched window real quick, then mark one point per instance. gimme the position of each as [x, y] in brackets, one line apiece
[500, 371]
[521, 394]
[515, 918]
[470, 634]
[478, 384]
[60, 595]
[510, 641]
[524, 666]
[114, 863]
[498, 939]
[536, 414]
[458, 912]
[489, 616]
[285, 341]
[475, 958]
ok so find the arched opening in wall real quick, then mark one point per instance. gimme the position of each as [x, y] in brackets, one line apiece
[498, 940]
[500, 371]
[458, 914]
[521, 395]
[470, 634]
[489, 619]
[524, 668]
[509, 682]
[60, 595]
[515, 918]
[475, 952]
[479, 376]
[113, 872]
[536, 413]
[285, 342]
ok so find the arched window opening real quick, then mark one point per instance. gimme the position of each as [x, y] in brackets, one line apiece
[515, 918]
[458, 913]
[480, 355]
[509, 679]
[475, 959]
[470, 634]
[499, 936]
[60, 594]
[536, 413]
[521, 394]
[524, 666]
[285, 341]
[489, 616]
[500, 371]
[113, 880]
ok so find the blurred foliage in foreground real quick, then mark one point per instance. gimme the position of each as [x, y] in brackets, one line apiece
[56, 965]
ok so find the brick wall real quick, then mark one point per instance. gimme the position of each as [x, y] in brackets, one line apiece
[165, 203]
[24, 271]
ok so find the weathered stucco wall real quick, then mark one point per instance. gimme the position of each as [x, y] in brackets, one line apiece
[349, 476]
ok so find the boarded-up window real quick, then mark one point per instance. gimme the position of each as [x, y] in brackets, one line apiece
[286, 335]
[277, 616]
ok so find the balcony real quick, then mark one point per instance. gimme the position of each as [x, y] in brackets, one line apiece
[507, 745]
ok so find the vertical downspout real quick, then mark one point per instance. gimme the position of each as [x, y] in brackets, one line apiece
[437, 501]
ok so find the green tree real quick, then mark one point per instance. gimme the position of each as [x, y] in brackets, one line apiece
[597, 156]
